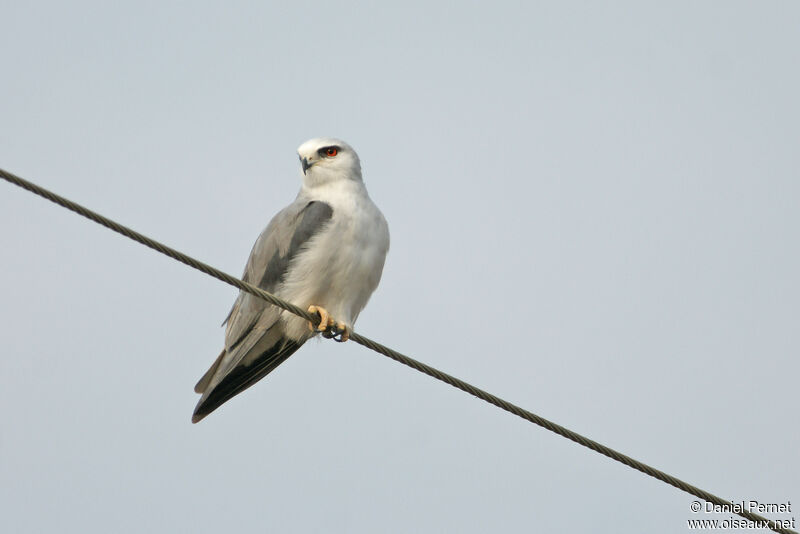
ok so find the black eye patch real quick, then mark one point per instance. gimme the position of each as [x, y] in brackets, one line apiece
[329, 151]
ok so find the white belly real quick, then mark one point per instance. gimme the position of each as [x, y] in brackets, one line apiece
[341, 266]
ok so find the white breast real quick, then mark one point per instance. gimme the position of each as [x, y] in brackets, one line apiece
[342, 265]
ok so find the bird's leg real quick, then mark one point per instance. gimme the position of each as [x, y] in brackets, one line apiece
[329, 327]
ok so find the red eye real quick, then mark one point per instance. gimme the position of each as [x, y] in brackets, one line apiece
[331, 151]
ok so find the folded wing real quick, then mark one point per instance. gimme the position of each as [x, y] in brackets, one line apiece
[255, 343]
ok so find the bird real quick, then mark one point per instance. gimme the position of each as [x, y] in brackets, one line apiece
[324, 252]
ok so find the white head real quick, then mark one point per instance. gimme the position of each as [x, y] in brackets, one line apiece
[325, 159]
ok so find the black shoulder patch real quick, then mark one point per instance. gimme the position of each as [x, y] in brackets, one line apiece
[311, 220]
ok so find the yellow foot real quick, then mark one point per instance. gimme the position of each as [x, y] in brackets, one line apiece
[325, 320]
[329, 327]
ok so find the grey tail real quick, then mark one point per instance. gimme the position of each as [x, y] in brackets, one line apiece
[202, 384]
[240, 377]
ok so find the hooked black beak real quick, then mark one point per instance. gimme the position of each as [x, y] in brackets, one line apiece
[306, 164]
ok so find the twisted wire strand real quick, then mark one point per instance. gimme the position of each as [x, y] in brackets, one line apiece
[393, 354]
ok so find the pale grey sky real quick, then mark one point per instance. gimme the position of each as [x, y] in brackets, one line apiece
[594, 214]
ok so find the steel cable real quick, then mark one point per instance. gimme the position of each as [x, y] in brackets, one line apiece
[394, 355]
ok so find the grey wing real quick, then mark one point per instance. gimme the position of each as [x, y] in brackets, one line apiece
[269, 260]
[254, 344]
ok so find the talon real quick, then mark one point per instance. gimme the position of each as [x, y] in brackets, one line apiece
[325, 320]
[329, 327]
[329, 333]
[343, 331]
